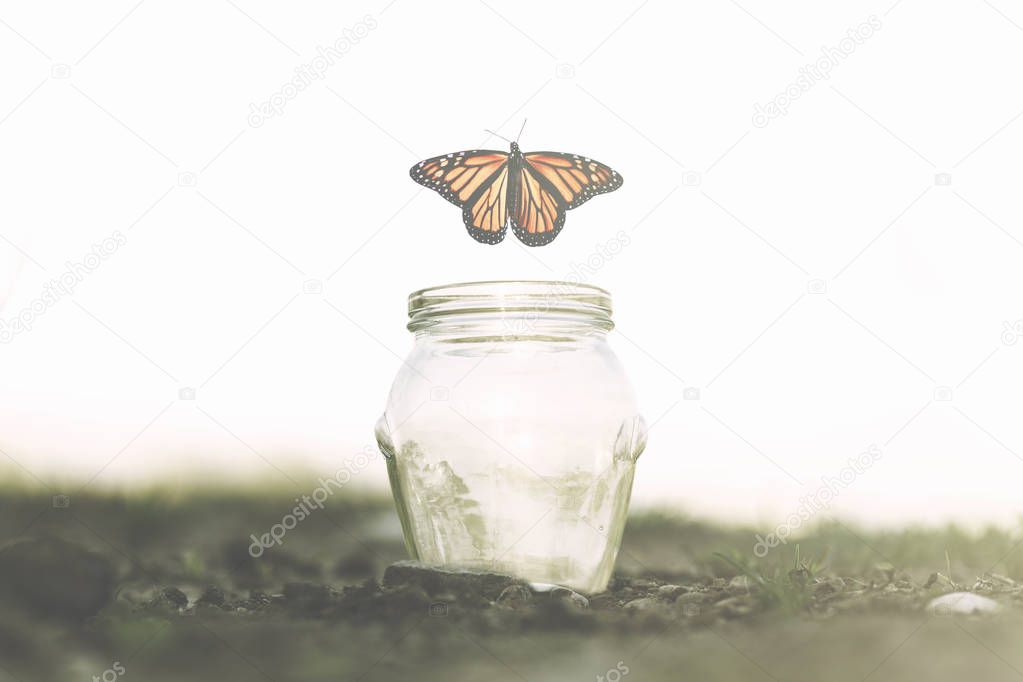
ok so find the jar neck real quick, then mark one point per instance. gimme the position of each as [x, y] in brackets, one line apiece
[504, 311]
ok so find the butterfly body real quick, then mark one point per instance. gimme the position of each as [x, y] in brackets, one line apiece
[529, 191]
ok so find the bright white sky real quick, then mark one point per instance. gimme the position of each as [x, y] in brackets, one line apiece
[730, 226]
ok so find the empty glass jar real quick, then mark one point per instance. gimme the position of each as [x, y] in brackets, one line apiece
[511, 432]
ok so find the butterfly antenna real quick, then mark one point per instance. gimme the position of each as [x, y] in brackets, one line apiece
[521, 129]
[496, 135]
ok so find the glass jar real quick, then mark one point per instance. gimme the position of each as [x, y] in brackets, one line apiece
[511, 432]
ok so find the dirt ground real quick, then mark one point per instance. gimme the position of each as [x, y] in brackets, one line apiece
[160, 586]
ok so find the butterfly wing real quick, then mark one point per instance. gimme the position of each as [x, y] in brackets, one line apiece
[538, 212]
[486, 213]
[575, 178]
[476, 181]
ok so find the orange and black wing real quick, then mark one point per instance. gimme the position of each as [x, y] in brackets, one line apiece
[538, 212]
[576, 179]
[477, 182]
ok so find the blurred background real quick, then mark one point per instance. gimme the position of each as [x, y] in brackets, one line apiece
[208, 233]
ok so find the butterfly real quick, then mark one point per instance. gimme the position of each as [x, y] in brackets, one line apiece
[530, 191]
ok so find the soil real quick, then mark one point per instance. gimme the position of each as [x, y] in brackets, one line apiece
[158, 587]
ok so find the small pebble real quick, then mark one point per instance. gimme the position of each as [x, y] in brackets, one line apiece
[692, 598]
[670, 592]
[571, 597]
[733, 607]
[212, 596]
[175, 597]
[829, 586]
[643, 604]
[962, 603]
[739, 585]
[515, 597]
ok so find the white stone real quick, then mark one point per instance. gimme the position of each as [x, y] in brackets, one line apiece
[962, 603]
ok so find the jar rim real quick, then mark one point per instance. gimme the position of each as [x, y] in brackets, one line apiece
[553, 298]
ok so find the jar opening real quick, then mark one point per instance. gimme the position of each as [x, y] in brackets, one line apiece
[539, 304]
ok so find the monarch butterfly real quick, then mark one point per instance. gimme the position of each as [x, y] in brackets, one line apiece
[530, 191]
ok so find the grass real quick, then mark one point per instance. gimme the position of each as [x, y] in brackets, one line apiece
[838, 603]
[776, 587]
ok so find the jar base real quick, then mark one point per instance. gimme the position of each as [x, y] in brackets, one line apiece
[561, 531]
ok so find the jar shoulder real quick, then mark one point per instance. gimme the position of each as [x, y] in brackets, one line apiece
[558, 373]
